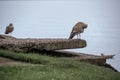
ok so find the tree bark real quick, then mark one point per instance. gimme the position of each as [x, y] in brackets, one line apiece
[30, 44]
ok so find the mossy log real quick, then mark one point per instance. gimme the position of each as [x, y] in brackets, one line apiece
[31, 44]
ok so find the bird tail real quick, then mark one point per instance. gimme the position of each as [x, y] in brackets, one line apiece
[6, 32]
[71, 36]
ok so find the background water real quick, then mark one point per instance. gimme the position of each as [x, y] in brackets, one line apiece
[55, 19]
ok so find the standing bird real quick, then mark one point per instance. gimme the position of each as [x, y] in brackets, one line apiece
[9, 29]
[78, 29]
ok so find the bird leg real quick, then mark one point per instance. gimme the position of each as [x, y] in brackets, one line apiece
[79, 36]
[10, 34]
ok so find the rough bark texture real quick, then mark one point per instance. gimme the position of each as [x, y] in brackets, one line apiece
[30, 44]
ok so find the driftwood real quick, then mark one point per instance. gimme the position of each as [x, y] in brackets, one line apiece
[99, 60]
[52, 47]
[95, 59]
[30, 44]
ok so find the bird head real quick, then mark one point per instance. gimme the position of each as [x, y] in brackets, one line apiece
[85, 25]
[11, 24]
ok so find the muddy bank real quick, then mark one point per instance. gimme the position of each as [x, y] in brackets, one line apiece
[10, 62]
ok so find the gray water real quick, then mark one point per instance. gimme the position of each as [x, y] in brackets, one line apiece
[55, 19]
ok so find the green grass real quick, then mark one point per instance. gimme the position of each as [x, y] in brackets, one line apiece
[52, 69]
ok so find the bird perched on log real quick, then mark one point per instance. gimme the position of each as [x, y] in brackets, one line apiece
[77, 29]
[9, 29]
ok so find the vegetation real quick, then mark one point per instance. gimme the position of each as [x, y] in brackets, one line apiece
[52, 68]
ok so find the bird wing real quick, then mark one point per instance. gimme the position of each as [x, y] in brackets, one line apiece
[73, 32]
[9, 29]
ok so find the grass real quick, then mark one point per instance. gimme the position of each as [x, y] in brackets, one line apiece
[52, 69]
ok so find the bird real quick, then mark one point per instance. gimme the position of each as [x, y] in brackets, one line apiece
[78, 28]
[102, 54]
[9, 29]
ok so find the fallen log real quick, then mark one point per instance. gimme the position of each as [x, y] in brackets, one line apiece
[99, 60]
[31, 44]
